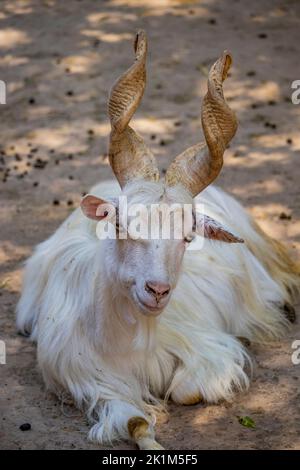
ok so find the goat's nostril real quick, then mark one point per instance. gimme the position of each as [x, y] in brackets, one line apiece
[157, 289]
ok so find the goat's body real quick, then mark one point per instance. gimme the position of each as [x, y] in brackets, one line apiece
[114, 361]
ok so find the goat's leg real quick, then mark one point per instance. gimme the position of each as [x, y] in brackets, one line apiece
[118, 419]
[142, 433]
[187, 392]
[213, 371]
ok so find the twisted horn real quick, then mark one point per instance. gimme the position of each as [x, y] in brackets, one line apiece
[128, 155]
[200, 164]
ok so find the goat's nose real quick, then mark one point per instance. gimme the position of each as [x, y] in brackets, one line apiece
[157, 289]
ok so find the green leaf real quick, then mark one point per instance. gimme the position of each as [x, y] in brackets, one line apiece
[246, 421]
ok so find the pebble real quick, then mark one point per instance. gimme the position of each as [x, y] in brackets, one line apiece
[25, 427]
[284, 216]
[40, 164]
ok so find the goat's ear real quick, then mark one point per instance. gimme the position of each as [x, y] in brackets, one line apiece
[95, 208]
[210, 228]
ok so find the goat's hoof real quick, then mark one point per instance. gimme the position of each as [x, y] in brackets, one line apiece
[289, 312]
[186, 400]
[150, 444]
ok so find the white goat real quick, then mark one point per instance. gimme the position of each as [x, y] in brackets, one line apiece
[93, 305]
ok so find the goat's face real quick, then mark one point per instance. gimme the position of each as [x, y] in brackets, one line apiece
[154, 225]
[150, 257]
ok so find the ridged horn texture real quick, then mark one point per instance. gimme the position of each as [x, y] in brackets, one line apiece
[200, 164]
[128, 155]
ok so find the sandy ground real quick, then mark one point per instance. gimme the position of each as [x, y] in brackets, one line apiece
[59, 59]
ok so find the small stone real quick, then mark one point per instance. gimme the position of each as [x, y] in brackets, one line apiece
[70, 156]
[251, 73]
[56, 202]
[25, 427]
[70, 202]
[284, 216]
[71, 177]
[40, 164]
[289, 141]
[212, 21]
[262, 35]
[31, 101]
[35, 184]
[238, 154]
[70, 93]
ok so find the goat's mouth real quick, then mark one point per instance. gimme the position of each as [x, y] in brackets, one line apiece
[146, 308]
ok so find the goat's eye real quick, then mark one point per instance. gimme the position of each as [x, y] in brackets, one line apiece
[189, 238]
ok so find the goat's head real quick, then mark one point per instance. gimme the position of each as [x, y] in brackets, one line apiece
[147, 267]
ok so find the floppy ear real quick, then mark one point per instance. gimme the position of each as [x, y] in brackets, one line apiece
[211, 228]
[95, 208]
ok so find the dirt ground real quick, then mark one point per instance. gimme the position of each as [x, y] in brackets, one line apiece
[59, 59]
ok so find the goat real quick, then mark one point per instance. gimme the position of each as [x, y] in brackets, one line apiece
[123, 324]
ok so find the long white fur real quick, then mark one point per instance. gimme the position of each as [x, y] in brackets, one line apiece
[115, 362]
